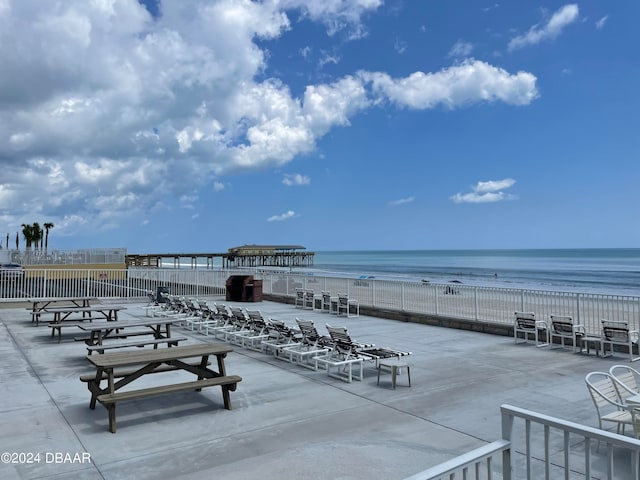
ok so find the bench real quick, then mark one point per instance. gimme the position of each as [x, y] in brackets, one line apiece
[125, 373]
[109, 400]
[59, 327]
[87, 338]
[140, 343]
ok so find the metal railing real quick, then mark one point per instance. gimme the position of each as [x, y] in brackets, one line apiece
[482, 304]
[543, 447]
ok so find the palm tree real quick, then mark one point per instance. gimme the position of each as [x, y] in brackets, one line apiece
[27, 233]
[36, 234]
[47, 226]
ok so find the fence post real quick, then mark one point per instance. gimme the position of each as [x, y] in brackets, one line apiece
[475, 301]
[507, 431]
[402, 296]
[88, 282]
[373, 293]
[578, 309]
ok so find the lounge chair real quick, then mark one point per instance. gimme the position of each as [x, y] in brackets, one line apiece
[240, 325]
[257, 327]
[342, 342]
[310, 345]
[279, 336]
[223, 321]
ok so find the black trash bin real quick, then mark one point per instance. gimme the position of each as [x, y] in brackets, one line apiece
[161, 294]
[243, 288]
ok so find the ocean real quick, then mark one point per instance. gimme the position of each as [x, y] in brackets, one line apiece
[606, 270]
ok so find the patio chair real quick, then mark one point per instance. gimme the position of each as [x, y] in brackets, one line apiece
[299, 300]
[309, 299]
[609, 406]
[326, 302]
[618, 333]
[347, 305]
[563, 328]
[628, 378]
[525, 323]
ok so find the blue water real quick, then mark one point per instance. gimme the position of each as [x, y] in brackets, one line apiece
[612, 271]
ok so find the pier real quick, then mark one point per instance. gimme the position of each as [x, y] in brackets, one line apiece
[237, 257]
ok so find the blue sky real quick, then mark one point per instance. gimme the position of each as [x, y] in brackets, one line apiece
[197, 125]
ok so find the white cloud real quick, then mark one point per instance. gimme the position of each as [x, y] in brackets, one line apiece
[461, 49]
[472, 81]
[295, 179]
[399, 46]
[600, 23]
[401, 201]
[337, 15]
[565, 16]
[285, 216]
[486, 192]
[114, 114]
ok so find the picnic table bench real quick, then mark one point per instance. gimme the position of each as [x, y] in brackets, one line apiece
[109, 367]
[39, 304]
[62, 317]
[135, 343]
[99, 331]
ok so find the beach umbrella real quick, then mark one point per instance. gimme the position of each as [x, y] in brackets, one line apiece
[17, 241]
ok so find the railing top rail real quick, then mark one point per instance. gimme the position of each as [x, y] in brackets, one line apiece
[449, 467]
[583, 430]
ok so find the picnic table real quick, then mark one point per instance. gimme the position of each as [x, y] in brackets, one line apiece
[159, 328]
[62, 316]
[38, 304]
[109, 367]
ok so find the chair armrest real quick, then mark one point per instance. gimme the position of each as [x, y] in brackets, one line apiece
[541, 324]
[579, 329]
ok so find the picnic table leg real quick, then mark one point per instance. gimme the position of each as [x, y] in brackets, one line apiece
[221, 369]
[94, 388]
[226, 397]
[111, 408]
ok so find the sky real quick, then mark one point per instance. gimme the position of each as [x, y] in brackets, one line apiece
[195, 126]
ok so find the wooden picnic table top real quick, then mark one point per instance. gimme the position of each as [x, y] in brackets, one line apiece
[121, 359]
[59, 299]
[96, 308]
[110, 325]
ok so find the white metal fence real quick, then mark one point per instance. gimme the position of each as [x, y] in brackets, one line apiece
[543, 447]
[482, 304]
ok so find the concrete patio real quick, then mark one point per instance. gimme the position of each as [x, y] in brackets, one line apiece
[287, 421]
